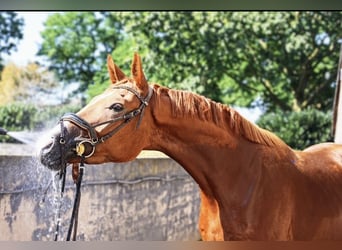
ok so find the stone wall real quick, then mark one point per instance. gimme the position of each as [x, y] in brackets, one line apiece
[151, 198]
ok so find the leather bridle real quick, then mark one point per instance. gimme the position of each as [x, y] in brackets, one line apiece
[93, 139]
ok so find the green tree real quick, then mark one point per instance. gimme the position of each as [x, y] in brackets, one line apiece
[19, 116]
[77, 43]
[278, 60]
[123, 58]
[299, 129]
[182, 47]
[14, 117]
[10, 33]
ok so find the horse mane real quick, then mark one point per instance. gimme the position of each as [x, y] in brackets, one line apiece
[185, 103]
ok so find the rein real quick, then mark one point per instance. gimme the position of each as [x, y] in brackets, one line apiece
[93, 141]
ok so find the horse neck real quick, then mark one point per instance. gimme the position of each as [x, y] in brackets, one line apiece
[207, 151]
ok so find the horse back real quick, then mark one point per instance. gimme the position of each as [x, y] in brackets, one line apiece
[322, 165]
[325, 157]
[319, 192]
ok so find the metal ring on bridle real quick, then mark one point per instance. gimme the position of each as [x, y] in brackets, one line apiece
[81, 148]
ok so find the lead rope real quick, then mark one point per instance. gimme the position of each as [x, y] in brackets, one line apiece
[74, 215]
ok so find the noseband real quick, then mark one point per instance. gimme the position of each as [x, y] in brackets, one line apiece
[93, 139]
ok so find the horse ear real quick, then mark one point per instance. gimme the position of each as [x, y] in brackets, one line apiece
[138, 74]
[114, 71]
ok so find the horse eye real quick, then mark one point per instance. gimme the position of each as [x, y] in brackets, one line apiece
[117, 107]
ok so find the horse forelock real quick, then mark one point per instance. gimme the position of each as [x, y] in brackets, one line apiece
[185, 103]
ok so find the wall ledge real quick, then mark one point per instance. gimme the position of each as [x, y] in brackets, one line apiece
[17, 149]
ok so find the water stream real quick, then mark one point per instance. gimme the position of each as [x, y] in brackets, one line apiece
[50, 200]
[30, 138]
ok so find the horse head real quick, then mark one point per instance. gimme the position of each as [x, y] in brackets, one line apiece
[111, 128]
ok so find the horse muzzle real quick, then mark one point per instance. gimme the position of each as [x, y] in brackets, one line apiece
[55, 151]
[67, 144]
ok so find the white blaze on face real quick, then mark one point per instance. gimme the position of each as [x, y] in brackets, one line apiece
[98, 107]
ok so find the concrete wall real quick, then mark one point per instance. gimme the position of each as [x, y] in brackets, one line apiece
[151, 198]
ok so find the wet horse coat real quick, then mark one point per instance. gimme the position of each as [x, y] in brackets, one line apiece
[253, 186]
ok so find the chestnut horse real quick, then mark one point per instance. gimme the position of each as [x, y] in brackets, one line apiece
[253, 186]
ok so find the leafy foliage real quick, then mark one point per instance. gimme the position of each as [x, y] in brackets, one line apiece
[184, 48]
[10, 33]
[278, 60]
[27, 117]
[299, 129]
[16, 117]
[123, 57]
[77, 43]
